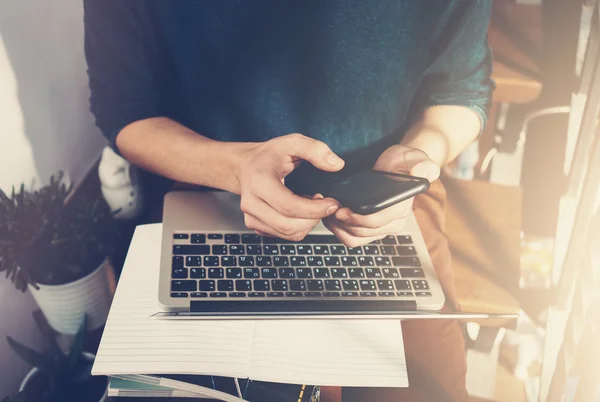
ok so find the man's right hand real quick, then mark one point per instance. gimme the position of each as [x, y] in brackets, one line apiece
[269, 207]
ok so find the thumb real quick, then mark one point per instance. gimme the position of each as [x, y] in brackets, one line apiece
[427, 169]
[315, 152]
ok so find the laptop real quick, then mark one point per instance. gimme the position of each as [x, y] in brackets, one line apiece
[212, 266]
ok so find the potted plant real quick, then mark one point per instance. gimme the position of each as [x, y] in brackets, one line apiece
[58, 376]
[58, 249]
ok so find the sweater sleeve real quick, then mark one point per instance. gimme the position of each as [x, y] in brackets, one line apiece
[124, 64]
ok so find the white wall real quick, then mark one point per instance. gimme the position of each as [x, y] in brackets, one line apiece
[45, 126]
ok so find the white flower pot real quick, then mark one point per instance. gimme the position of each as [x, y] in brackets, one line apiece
[86, 355]
[65, 305]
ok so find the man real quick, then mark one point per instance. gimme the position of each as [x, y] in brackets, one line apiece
[235, 94]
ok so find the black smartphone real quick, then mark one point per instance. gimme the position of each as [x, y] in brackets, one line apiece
[368, 192]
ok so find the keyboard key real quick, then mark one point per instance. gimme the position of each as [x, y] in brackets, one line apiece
[254, 250]
[288, 250]
[218, 294]
[349, 262]
[373, 272]
[321, 250]
[237, 249]
[251, 273]
[189, 249]
[383, 261]
[389, 240]
[215, 236]
[232, 239]
[263, 261]
[234, 273]
[198, 239]
[406, 262]
[184, 286]
[228, 261]
[312, 294]
[281, 261]
[376, 242]
[350, 284]
[314, 261]
[402, 284]
[367, 284]
[385, 285]
[339, 273]
[198, 273]
[179, 273]
[271, 240]
[390, 273]
[305, 250]
[256, 294]
[331, 294]
[237, 294]
[219, 249]
[294, 294]
[181, 236]
[420, 285]
[388, 250]
[206, 286]
[225, 285]
[412, 273]
[423, 294]
[177, 262]
[297, 284]
[355, 251]
[298, 261]
[366, 261]
[199, 294]
[338, 250]
[321, 272]
[356, 272]
[387, 294]
[271, 250]
[406, 250]
[243, 285]
[179, 294]
[314, 284]
[279, 284]
[405, 294]
[332, 261]
[211, 261]
[371, 250]
[245, 261]
[321, 239]
[404, 239]
[261, 285]
[268, 272]
[333, 285]
[215, 273]
[368, 294]
[287, 273]
[304, 273]
[349, 294]
[193, 261]
[275, 294]
[250, 239]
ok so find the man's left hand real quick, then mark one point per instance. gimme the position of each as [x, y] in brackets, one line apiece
[356, 230]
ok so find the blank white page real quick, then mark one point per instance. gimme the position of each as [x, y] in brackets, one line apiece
[335, 352]
[133, 343]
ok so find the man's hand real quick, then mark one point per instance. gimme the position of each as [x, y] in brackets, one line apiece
[356, 230]
[269, 207]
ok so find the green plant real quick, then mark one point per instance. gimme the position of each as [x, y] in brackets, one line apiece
[59, 374]
[47, 239]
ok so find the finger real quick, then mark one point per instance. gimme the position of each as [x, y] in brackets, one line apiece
[393, 227]
[345, 237]
[314, 151]
[376, 220]
[291, 205]
[427, 169]
[260, 227]
[272, 218]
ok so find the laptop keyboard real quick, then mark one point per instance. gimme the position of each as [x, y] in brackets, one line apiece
[246, 265]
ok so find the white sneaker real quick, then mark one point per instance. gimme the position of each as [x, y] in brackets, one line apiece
[120, 185]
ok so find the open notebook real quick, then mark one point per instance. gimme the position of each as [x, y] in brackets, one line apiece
[316, 352]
